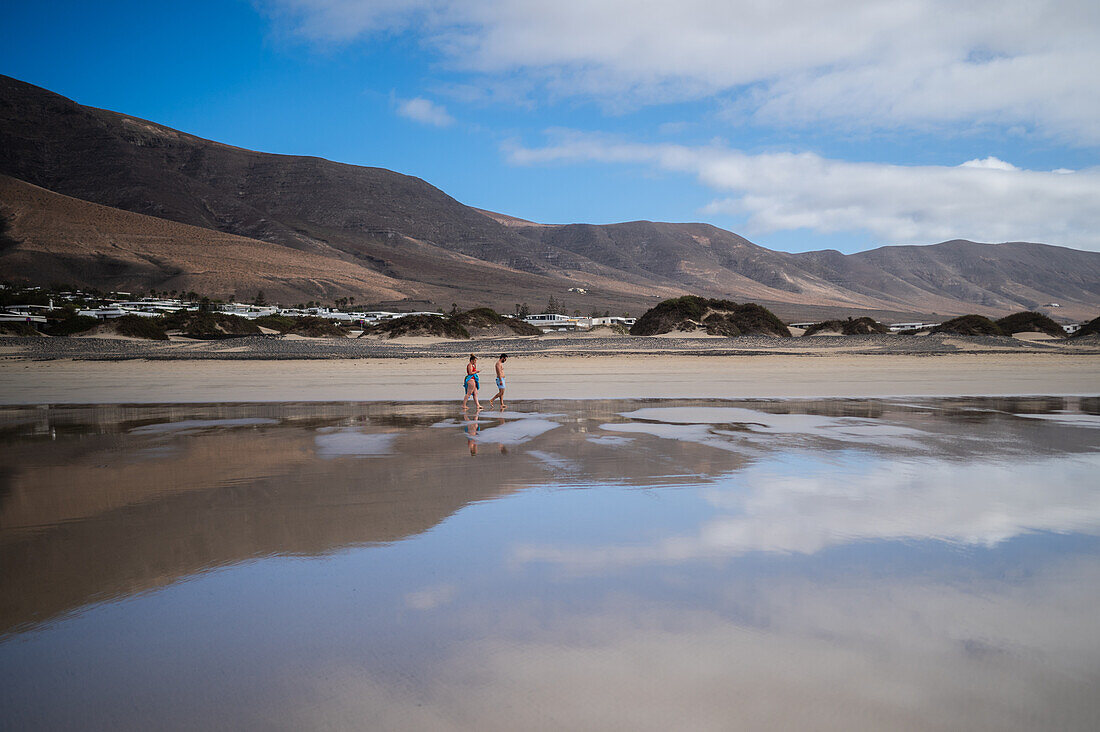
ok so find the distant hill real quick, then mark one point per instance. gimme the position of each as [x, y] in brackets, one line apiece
[330, 229]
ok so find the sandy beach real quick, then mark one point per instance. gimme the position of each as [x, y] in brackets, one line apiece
[548, 376]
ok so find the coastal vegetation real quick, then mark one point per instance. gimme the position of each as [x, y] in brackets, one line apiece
[207, 324]
[310, 326]
[716, 317]
[851, 326]
[418, 325]
[478, 320]
[136, 326]
[970, 325]
[1091, 328]
[1030, 322]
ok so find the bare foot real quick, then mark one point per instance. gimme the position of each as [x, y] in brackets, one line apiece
[479, 407]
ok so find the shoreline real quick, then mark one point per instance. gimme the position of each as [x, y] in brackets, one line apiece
[550, 376]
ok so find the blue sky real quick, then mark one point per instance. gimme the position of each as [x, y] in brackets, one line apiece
[801, 125]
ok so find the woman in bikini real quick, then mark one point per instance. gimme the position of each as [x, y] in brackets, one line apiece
[470, 383]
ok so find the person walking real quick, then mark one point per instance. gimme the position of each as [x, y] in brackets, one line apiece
[470, 384]
[500, 382]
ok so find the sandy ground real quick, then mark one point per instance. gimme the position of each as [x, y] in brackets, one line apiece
[543, 377]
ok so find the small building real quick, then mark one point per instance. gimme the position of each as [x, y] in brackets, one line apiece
[1071, 328]
[613, 320]
[906, 327]
[557, 321]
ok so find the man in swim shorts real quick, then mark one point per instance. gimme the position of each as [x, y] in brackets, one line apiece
[500, 382]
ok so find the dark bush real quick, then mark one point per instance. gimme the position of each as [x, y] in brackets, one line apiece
[1029, 322]
[487, 318]
[281, 323]
[971, 325]
[137, 326]
[72, 324]
[718, 317]
[310, 326]
[856, 326]
[1090, 328]
[210, 325]
[418, 325]
[18, 329]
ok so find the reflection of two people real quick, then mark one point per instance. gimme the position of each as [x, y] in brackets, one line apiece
[470, 428]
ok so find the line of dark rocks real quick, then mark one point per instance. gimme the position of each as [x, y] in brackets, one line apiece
[278, 348]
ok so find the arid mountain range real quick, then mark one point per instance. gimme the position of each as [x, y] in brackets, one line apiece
[96, 198]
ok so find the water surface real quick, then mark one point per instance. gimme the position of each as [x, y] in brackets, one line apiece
[837, 564]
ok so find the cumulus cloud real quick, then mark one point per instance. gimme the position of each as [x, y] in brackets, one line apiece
[982, 200]
[424, 111]
[854, 62]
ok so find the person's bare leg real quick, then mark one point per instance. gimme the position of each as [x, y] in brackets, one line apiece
[499, 395]
[502, 405]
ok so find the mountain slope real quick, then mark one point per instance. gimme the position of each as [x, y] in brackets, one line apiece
[373, 232]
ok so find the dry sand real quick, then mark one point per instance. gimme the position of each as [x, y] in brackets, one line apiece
[543, 377]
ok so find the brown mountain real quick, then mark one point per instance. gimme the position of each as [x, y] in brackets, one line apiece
[380, 235]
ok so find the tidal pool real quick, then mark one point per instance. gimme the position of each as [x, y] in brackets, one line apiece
[835, 564]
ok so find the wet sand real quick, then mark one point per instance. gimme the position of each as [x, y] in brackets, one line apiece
[913, 564]
[548, 376]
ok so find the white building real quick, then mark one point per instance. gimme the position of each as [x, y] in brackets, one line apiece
[246, 310]
[905, 327]
[613, 320]
[557, 321]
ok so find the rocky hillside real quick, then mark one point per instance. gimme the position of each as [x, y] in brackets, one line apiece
[380, 235]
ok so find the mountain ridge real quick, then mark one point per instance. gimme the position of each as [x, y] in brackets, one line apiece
[426, 245]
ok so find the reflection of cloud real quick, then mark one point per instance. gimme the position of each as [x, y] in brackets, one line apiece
[514, 433]
[876, 654]
[1074, 420]
[712, 426]
[430, 598]
[803, 508]
[350, 441]
[554, 462]
[192, 425]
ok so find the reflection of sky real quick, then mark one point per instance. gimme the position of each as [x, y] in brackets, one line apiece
[838, 588]
[804, 503]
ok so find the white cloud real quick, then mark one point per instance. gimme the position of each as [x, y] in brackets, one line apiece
[424, 111]
[858, 63]
[982, 200]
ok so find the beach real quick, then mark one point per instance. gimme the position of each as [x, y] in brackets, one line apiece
[547, 376]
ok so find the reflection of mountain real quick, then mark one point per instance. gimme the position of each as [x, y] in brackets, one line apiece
[114, 513]
[89, 518]
[110, 522]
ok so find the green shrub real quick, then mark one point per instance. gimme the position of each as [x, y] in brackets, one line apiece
[418, 325]
[971, 325]
[487, 317]
[137, 326]
[18, 329]
[1090, 328]
[210, 324]
[281, 323]
[71, 325]
[728, 318]
[1029, 322]
[857, 326]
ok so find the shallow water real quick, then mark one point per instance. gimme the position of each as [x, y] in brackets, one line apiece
[839, 564]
